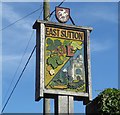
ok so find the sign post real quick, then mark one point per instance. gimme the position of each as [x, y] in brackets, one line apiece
[64, 104]
[62, 64]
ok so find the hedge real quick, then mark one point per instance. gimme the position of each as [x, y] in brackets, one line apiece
[107, 101]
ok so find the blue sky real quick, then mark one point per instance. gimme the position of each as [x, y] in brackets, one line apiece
[103, 17]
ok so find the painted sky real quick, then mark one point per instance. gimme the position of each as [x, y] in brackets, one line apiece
[103, 17]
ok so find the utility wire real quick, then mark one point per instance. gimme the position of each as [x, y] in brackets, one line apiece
[20, 63]
[20, 19]
[19, 77]
[74, 24]
[18, 66]
[28, 58]
[72, 20]
[40, 13]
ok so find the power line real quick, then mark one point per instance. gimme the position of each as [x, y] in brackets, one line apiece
[29, 56]
[73, 23]
[40, 13]
[20, 62]
[19, 78]
[72, 20]
[29, 15]
[18, 66]
[20, 19]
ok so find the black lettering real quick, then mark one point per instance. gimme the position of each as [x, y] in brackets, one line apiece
[50, 31]
[69, 34]
[76, 35]
[72, 35]
[63, 33]
[47, 31]
[58, 33]
[54, 32]
[79, 36]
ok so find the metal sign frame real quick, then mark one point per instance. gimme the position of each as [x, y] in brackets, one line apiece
[41, 91]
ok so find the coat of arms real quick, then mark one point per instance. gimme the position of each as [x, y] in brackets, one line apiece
[62, 14]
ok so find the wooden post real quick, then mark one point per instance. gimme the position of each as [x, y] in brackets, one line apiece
[46, 9]
[64, 104]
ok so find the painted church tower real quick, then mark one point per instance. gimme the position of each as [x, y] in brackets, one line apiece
[76, 68]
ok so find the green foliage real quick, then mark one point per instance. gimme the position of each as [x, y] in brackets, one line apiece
[109, 100]
[59, 79]
[49, 41]
[66, 43]
[51, 61]
[76, 45]
[54, 61]
[57, 43]
[58, 60]
[52, 45]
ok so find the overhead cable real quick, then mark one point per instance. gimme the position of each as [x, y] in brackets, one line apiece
[19, 78]
[20, 19]
[28, 58]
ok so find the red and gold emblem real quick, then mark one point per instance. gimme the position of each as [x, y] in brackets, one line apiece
[62, 14]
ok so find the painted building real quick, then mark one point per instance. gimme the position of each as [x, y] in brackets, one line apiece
[76, 68]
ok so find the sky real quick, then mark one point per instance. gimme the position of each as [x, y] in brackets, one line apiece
[102, 16]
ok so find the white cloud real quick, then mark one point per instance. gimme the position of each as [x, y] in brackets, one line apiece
[19, 34]
[98, 46]
[107, 16]
[9, 14]
[11, 58]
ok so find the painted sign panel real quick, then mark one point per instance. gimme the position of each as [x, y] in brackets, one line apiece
[62, 61]
[64, 68]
